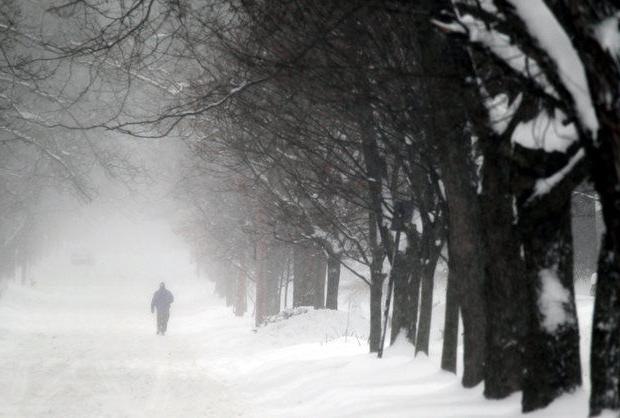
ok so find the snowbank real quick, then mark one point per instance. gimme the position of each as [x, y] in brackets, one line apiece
[306, 324]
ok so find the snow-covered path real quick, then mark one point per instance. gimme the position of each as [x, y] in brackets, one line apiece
[78, 348]
[85, 347]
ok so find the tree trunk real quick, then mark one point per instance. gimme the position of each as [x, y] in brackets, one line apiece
[466, 262]
[377, 232]
[584, 234]
[402, 309]
[320, 276]
[552, 365]
[376, 295]
[376, 282]
[240, 305]
[333, 281]
[605, 350]
[308, 276]
[414, 283]
[451, 326]
[450, 98]
[465, 254]
[603, 152]
[260, 307]
[505, 271]
[274, 267]
[426, 311]
[302, 285]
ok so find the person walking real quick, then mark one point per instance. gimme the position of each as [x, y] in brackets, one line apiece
[162, 299]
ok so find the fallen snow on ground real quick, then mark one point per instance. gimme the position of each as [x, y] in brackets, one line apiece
[81, 352]
[84, 346]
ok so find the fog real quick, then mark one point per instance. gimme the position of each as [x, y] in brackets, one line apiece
[127, 230]
[103, 243]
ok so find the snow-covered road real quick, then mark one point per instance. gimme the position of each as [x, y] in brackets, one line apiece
[78, 348]
[85, 347]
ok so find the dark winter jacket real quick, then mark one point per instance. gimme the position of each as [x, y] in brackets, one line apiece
[162, 300]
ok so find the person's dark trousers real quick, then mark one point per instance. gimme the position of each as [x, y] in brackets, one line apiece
[162, 321]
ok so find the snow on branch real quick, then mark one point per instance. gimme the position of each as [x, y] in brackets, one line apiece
[501, 110]
[551, 37]
[544, 185]
[607, 34]
[501, 46]
[546, 131]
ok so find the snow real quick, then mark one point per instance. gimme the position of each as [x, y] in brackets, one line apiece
[608, 36]
[83, 344]
[416, 220]
[92, 352]
[545, 28]
[544, 185]
[305, 324]
[551, 37]
[593, 278]
[501, 110]
[547, 132]
[502, 47]
[552, 300]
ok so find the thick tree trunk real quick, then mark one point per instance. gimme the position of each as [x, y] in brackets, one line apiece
[303, 292]
[466, 255]
[451, 326]
[466, 262]
[320, 276]
[407, 299]
[605, 350]
[505, 271]
[449, 98]
[585, 234]
[333, 281]
[308, 276]
[552, 365]
[603, 152]
[274, 267]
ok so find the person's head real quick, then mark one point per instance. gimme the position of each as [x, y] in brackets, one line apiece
[162, 285]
